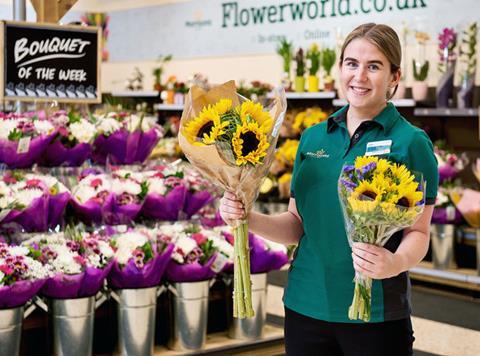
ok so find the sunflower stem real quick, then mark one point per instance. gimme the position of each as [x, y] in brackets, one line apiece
[243, 293]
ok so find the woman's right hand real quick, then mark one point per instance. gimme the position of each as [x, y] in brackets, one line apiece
[231, 208]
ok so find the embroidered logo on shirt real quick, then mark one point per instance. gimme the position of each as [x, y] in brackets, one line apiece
[319, 154]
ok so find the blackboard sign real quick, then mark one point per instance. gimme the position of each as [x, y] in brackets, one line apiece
[50, 62]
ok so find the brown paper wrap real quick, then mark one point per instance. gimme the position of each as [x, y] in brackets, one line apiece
[244, 181]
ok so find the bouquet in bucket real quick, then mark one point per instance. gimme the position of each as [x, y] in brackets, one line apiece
[200, 192]
[449, 163]
[32, 202]
[72, 144]
[21, 277]
[196, 256]
[166, 193]
[378, 198]
[23, 139]
[79, 264]
[125, 138]
[140, 260]
[231, 141]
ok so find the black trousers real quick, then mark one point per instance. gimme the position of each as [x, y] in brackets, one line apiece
[305, 336]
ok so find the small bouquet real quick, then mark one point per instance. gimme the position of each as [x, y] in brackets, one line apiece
[21, 277]
[232, 143]
[200, 192]
[124, 138]
[378, 198]
[89, 197]
[449, 163]
[141, 260]
[23, 139]
[445, 211]
[166, 194]
[307, 118]
[194, 256]
[72, 143]
[80, 265]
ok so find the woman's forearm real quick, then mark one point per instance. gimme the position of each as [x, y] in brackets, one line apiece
[412, 249]
[285, 228]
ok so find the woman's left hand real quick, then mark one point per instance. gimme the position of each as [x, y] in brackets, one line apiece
[374, 261]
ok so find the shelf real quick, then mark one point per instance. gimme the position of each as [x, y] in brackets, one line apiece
[168, 107]
[405, 103]
[135, 94]
[307, 95]
[461, 278]
[219, 343]
[445, 112]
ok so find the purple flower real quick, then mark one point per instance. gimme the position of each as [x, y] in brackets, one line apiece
[447, 39]
[348, 168]
[369, 167]
[348, 184]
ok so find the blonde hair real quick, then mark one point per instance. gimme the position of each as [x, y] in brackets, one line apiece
[384, 38]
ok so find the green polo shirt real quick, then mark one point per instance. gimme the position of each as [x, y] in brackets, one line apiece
[320, 278]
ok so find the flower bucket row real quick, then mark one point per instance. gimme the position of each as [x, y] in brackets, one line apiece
[63, 139]
[75, 264]
[35, 203]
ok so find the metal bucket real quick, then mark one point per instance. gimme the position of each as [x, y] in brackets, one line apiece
[10, 330]
[190, 312]
[252, 328]
[443, 237]
[136, 320]
[72, 321]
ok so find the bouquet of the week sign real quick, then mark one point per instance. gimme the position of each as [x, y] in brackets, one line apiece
[378, 199]
[232, 141]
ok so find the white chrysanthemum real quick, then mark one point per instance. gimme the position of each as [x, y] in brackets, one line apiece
[133, 123]
[83, 131]
[219, 243]
[64, 262]
[36, 270]
[26, 196]
[127, 243]
[105, 249]
[126, 186]
[94, 260]
[6, 127]
[43, 127]
[442, 198]
[18, 250]
[156, 185]
[124, 173]
[83, 193]
[107, 126]
[172, 230]
[186, 245]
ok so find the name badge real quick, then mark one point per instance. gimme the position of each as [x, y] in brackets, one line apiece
[378, 148]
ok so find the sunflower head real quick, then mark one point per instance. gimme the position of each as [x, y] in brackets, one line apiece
[205, 128]
[249, 144]
[253, 112]
[362, 206]
[408, 195]
[400, 174]
[368, 191]
[223, 106]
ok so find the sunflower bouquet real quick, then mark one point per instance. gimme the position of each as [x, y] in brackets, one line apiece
[232, 141]
[378, 198]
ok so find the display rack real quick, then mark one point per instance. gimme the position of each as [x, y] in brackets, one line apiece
[134, 94]
[405, 103]
[446, 112]
[168, 107]
[307, 95]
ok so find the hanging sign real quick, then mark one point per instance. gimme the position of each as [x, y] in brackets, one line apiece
[50, 62]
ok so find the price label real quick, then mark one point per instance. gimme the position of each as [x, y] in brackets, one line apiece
[219, 263]
[24, 144]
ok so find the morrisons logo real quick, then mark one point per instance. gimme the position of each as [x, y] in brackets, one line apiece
[319, 154]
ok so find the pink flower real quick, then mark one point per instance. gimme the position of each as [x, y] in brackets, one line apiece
[63, 131]
[173, 181]
[199, 238]
[6, 269]
[80, 260]
[95, 182]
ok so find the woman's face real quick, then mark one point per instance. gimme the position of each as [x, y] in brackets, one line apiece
[365, 75]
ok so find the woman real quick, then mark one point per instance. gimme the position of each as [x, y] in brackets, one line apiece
[320, 288]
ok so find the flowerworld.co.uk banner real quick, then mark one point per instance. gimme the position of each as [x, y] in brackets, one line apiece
[221, 28]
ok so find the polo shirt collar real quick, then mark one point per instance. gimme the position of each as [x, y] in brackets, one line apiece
[386, 118]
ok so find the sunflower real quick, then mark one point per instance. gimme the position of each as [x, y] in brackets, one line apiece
[223, 106]
[205, 128]
[400, 174]
[408, 195]
[249, 143]
[368, 191]
[362, 206]
[253, 112]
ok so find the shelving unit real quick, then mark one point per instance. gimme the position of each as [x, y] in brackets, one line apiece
[398, 102]
[446, 112]
[307, 95]
[168, 107]
[134, 94]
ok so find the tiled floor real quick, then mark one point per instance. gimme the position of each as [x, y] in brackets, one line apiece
[444, 324]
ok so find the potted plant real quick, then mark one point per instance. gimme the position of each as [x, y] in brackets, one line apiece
[158, 71]
[328, 60]
[300, 71]
[468, 57]
[420, 68]
[313, 57]
[446, 49]
[285, 50]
